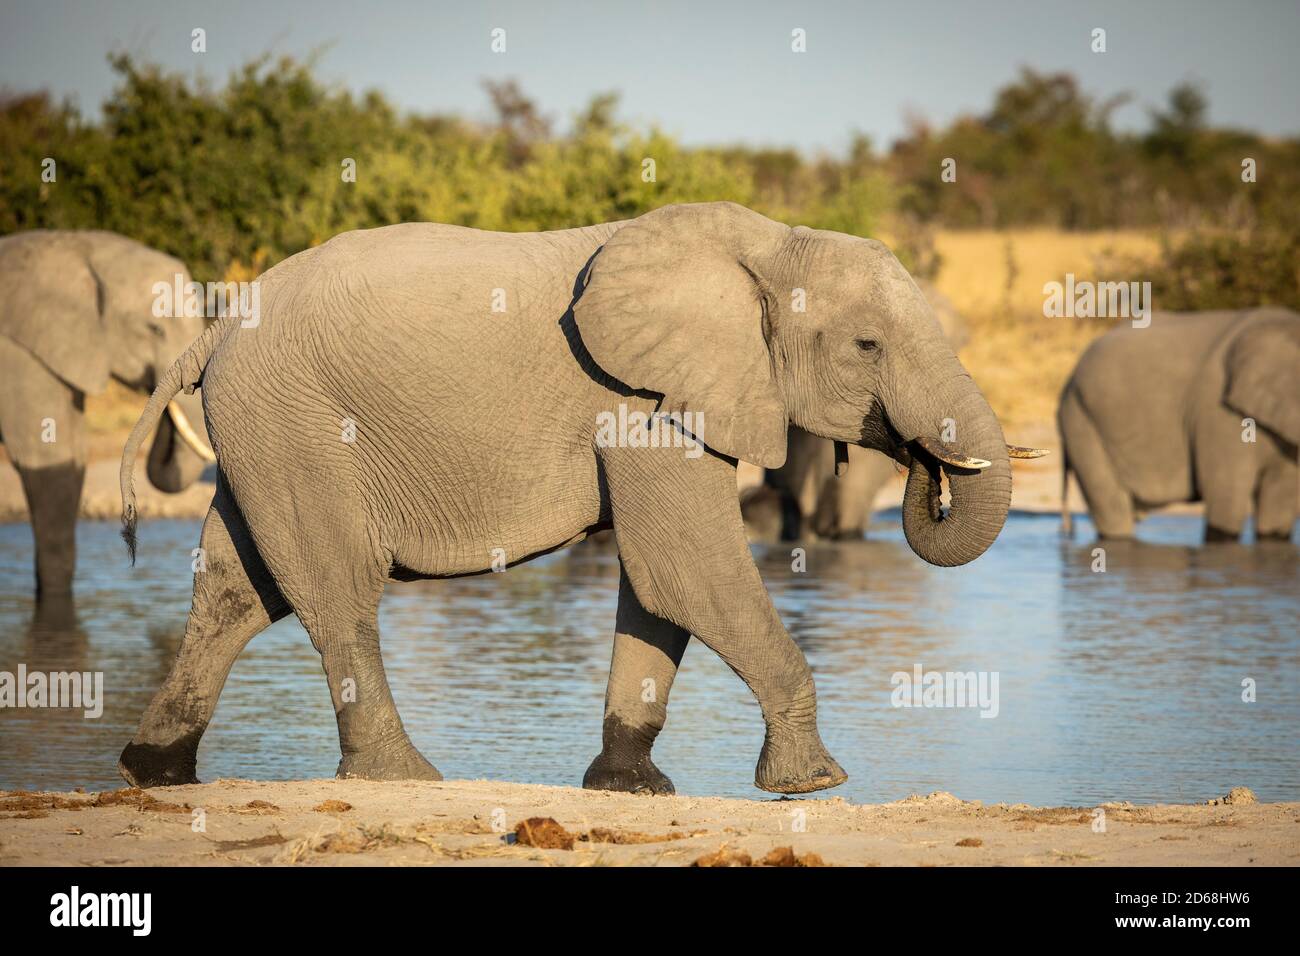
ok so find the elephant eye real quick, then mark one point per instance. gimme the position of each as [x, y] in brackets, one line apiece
[868, 345]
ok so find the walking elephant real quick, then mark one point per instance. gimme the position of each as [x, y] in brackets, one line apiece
[1200, 406]
[806, 496]
[76, 309]
[425, 401]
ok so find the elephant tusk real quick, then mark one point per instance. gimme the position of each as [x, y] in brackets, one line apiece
[956, 459]
[1019, 451]
[188, 434]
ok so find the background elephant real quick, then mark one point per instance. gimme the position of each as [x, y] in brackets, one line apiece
[1156, 415]
[805, 498]
[425, 401]
[76, 308]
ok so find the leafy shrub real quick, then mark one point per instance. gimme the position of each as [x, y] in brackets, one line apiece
[1228, 271]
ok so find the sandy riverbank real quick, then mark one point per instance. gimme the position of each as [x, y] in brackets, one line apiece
[461, 822]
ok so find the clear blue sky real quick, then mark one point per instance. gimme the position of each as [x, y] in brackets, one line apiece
[709, 72]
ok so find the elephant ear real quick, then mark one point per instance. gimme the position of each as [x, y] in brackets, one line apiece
[52, 304]
[674, 304]
[1263, 371]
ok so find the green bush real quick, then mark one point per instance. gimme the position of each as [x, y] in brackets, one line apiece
[1228, 271]
[233, 179]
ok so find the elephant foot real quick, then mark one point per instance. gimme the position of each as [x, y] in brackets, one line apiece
[160, 765]
[793, 763]
[400, 762]
[1215, 535]
[608, 772]
[1274, 536]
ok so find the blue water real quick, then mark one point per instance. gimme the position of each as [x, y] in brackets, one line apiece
[1122, 685]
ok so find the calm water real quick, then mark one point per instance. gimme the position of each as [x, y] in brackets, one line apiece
[1123, 685]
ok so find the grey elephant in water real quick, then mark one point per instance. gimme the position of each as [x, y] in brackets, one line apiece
[76, 309]
[808, 496]
[425, 401]
[1200, 406]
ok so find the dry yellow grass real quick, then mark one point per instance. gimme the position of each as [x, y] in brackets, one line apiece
[995, 279]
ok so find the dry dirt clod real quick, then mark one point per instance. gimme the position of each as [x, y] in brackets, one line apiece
[333, 806]
[782, 856]
[970, 841]
[544, 834]
[724, 857]
[785, 856]
[1237, 796]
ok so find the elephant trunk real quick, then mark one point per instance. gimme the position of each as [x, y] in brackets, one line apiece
[980, 492]
[180, 452]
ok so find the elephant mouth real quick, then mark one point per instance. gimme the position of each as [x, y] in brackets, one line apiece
[938, 452]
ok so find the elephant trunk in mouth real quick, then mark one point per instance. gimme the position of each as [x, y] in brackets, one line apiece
[978, 472]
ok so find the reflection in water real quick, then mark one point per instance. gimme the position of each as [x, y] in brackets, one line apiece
[1122, 685]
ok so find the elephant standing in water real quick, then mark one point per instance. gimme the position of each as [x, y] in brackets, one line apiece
[423, 400]
[806, 496]
[1202, 406]
[76, 309]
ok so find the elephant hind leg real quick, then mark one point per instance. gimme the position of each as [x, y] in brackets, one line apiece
[234, 600]
[1109, 503]
[338, 604]
[647, 652]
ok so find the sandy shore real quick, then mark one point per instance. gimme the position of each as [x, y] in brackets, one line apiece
[475, 822]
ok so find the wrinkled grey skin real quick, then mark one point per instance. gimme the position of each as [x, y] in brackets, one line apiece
[804, 498]
[1155, 416]
[76, 309]
[476, 430]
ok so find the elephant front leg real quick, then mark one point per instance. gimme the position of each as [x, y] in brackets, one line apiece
[683, 546]
[54, 499]
[647, 652]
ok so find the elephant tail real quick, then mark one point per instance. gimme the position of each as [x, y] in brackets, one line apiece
[1067, 519]
[185, 373]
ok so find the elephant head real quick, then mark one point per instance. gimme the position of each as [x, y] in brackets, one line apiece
[750, 324]
[84, 304]
[1263, 366]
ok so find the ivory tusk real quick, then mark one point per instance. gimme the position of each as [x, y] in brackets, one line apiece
[188, 434]
[1019, 451]
[938, 450]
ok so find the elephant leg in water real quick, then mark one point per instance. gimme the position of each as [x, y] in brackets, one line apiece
[647, 653]
[682, 541]
[844, 504]
[234, 599]
[336, 601]
[1276, 502]
[1109, 502]
[41, 423]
